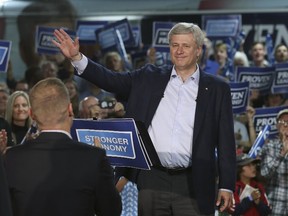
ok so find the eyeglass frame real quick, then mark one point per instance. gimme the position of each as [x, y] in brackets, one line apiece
[283, 122]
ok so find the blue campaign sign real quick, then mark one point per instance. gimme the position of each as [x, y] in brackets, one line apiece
[280, 82]
[119, 137]
[86, 30]
[5, 48]
[239, 95]
[221, 26]
[160, 35]
[267, 116]
[107, 37]
[259, 78]
[116, 143]
[136, 31]
[43, 40]
[259, 142]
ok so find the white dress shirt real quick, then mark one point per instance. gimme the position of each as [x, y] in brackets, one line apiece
[172, 126]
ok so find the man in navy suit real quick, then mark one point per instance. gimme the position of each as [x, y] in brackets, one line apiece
[188, 115]
[53, 174]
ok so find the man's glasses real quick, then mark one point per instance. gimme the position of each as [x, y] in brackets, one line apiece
[282, 122]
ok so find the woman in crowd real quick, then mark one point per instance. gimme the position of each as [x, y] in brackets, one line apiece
[17, 115]
[250, 196]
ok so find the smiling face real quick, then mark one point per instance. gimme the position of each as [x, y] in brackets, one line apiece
[282, 126]
[184, 52]
[20, 110]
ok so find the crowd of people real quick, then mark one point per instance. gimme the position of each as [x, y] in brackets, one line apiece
[186, 108]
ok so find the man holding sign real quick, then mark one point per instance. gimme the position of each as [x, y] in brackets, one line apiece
[274, 166]
[188, 114]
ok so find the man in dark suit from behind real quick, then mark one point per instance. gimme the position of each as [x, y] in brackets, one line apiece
[54, 175]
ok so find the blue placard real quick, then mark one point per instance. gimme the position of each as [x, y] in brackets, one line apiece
[267, 116]
[260, 78]
[86, 30]
[43, 40]
[106, 35]
[280, 82]
[239, 95]
[160, 36]
[217, 27]
[116, 143]
[5, 48]
[136, 31]
[119, 137]
[259, 142]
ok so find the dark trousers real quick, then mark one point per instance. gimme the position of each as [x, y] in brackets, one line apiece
[166, 194]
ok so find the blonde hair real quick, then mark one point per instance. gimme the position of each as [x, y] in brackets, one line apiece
[49, 101]
[10, 105]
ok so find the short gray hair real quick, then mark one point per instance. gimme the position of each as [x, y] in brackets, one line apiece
[187, 28]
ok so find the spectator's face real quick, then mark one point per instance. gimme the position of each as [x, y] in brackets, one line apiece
[20, 109]
[184, 51]
[114, 63]
[281, 54]
[282, 126]
[258, 53]
[249, 170]
[221, 55]
[274, 100]
[71, 89]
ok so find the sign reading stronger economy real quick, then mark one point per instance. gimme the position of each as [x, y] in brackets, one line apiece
[118, 137]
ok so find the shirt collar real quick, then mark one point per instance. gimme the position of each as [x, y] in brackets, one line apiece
[57, 131]
[195, 76]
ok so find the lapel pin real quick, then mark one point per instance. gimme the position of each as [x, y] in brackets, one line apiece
[206, 88]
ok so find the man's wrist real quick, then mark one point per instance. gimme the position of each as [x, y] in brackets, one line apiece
[76, 57]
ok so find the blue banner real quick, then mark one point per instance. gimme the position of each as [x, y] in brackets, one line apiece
[270, 48]
[160, 36]
[267, 116]
[5, 48]
[221, 26]
[280, 82]
[240, 96]
[86, 30]
[260, 78]
[43, 40]
[119, 137]
[259, 142]
[106, 35]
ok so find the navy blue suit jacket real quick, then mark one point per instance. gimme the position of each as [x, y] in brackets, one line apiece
[213, 127]
[55, 175]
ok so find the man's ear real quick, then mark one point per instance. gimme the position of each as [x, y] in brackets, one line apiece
[32, 114]
[70, 110]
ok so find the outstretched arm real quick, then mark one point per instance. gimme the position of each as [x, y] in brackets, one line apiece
[68, 47]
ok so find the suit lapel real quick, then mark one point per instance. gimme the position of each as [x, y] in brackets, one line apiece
[202, 103]
[157, 93]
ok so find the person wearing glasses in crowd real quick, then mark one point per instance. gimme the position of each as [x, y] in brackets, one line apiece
[274, 167]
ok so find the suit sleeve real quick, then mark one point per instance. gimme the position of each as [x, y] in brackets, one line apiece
[226, 143]
[108, 200]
